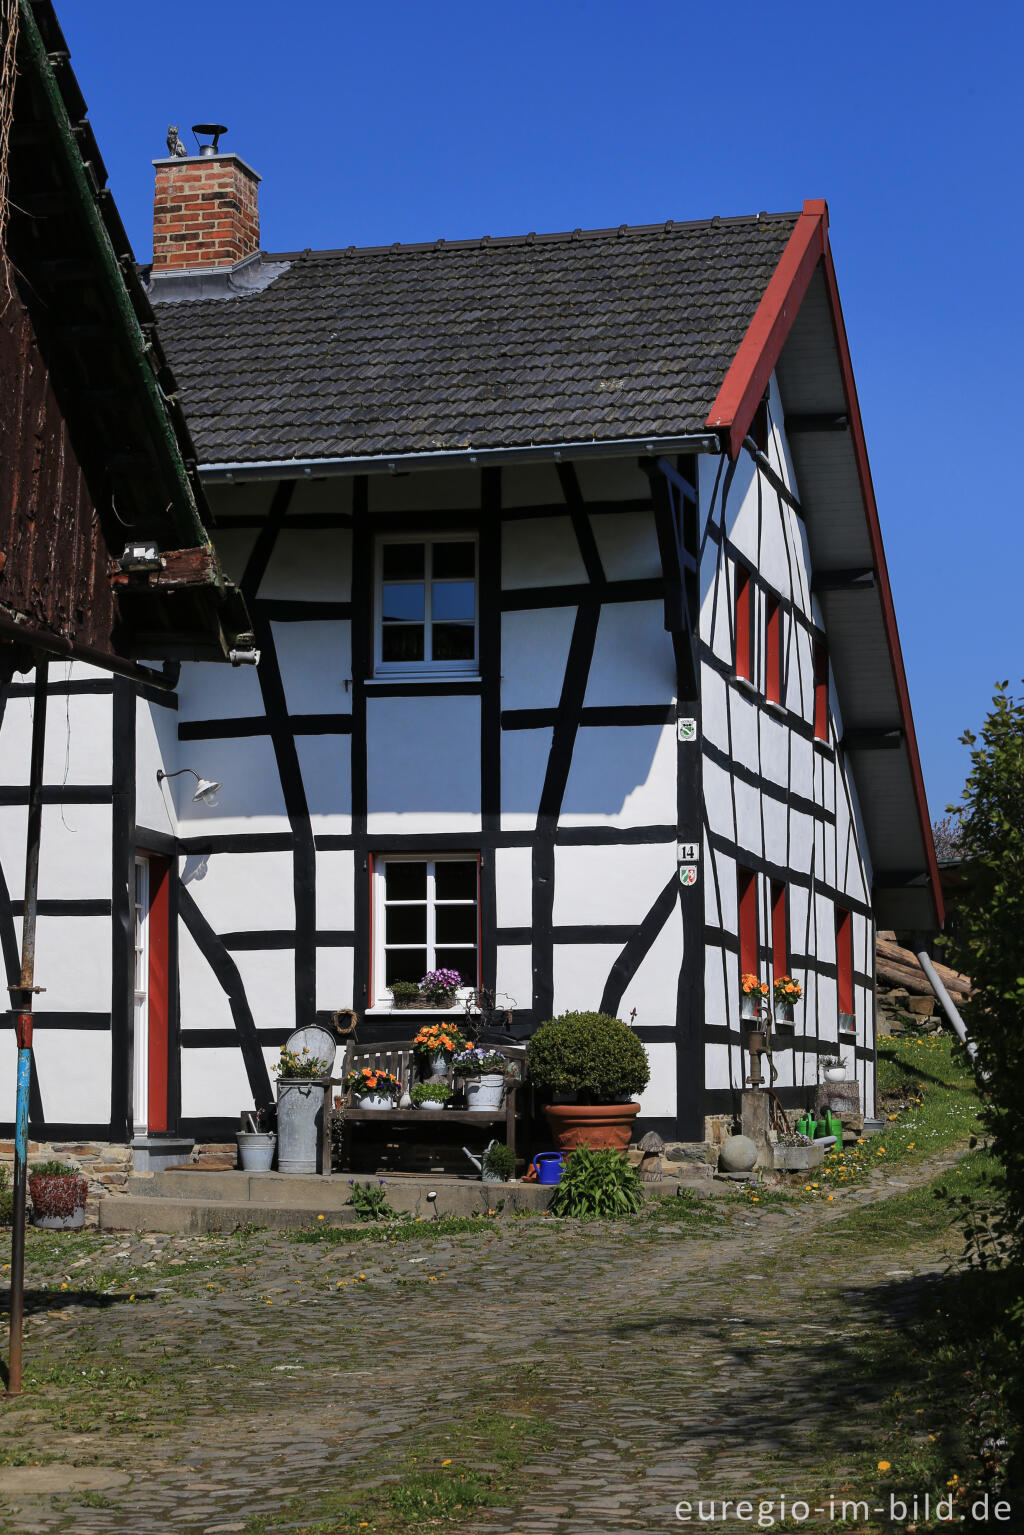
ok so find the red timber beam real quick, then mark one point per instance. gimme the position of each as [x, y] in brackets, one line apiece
[747, 379]
[733, 411]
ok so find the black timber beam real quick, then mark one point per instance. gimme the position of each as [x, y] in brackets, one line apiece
[872, 740]
[774, 479]
[857, 578]
[817, 421]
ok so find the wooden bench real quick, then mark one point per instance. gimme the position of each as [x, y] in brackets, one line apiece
[399, 1058]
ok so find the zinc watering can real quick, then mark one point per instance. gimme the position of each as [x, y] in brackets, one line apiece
[478, 1163]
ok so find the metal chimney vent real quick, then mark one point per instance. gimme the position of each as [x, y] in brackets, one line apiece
[213, 129]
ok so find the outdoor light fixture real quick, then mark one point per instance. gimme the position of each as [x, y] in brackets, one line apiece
[144, 554]
[206, 788]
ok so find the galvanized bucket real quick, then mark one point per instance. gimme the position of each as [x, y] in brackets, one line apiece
[300, 1109]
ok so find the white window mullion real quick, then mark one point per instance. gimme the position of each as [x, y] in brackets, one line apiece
[431, 917]
[140, 1042]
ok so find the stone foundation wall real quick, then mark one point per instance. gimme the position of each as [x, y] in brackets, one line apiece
[104, 1166]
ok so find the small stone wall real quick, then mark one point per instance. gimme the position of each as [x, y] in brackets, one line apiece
[104, 1166]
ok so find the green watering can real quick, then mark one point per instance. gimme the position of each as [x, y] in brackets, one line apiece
[808, 1126]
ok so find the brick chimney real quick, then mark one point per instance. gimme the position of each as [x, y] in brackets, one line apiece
[205, 212]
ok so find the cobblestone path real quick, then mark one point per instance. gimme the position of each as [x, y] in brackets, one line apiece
[651, 1362]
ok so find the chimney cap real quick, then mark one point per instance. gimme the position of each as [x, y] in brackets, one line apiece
[215, 130]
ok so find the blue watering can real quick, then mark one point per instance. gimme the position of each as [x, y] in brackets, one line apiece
[549, 1166]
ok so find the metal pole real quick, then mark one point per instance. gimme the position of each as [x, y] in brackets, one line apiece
[946, 1003]
[26, 991]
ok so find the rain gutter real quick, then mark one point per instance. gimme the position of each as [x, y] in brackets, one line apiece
[459, 458]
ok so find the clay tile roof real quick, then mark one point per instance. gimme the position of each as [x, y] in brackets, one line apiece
[472, 344]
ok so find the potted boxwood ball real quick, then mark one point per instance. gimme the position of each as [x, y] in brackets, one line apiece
[58, 1195]
[588, 1066]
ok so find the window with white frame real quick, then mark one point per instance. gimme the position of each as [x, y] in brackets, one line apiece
[425, 917]
[425, 605]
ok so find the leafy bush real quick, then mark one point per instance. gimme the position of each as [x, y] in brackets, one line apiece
[371, 1204]
[989, 947]
[989, 944]
[593, 1055]
[405, 993]
[597, 1184]
[429, 1092]
[52, 1170]
[499, 1160]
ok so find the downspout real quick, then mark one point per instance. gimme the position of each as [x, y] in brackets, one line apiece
[946, 1003]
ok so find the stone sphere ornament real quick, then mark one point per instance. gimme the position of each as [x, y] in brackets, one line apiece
[738, 1154]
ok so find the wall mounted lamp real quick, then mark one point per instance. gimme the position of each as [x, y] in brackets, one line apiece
[206, 788]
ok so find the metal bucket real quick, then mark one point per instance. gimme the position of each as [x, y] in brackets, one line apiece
[300, 1109]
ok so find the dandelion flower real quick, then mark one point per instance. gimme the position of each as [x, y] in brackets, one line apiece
[884, 1465]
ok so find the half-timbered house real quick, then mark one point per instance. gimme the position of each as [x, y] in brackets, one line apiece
[579, 670]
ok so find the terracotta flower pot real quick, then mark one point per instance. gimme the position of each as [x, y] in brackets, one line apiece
[600, 1126]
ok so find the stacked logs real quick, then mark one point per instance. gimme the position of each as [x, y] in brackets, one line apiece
[898, 967]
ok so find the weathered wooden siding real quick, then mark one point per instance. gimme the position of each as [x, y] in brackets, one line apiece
[54, 559]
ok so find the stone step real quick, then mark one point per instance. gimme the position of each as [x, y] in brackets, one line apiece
[195, 1217]
[222, 1201]
[238, 1187]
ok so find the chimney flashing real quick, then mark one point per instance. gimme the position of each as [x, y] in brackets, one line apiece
[184, 284]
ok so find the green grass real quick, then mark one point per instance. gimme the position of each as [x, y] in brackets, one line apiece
[928, 1101]
[918, 1215]
[683, 1206]
[407, 1229]
[424, 1486]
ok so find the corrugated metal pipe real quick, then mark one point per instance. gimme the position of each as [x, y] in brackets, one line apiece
[946, 1003]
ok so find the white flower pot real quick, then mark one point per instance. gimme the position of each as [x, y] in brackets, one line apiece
[750, 1007]
[374, 1101]
[835, 1073]
[485, 1092]
[783, 1012]
[431, 1103]
[439, 1066]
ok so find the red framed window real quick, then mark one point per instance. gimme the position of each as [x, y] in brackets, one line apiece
[780, 930]
[747, 905]
[744, 624]
[820, 692]
[773, 652]
[844, 961]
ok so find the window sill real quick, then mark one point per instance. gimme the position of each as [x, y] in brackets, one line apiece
[385, 1010]
[824, 747]
[779, 710]
[405, 679]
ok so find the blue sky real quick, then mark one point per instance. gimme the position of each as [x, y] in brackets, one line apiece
[375, 123]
